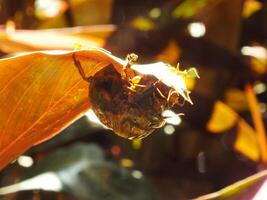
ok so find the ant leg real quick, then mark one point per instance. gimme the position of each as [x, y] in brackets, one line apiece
[171, 92]
[158, 90]
[77, 63]
[176, 115]
[160, 93]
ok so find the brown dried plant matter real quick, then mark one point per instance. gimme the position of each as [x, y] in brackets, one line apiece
[127, 101]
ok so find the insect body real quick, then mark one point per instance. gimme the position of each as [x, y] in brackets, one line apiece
[131, 106]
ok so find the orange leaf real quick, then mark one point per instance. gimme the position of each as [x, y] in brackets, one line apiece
[222, 119]
[170, 54]
[12, 41]
[41, 93]
[250, 7]
[246, 141]
[236, 99]
[257, 121]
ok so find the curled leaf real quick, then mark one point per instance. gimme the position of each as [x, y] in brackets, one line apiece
[43, 92]
[40, 94]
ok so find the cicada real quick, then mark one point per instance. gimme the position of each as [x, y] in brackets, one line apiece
[130, 102]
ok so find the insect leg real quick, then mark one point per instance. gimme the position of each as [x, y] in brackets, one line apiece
[158, 90]
[171, 92]
[160, 93]
[174, 116]
[77, 63]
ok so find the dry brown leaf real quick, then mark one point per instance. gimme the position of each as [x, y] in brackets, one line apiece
[40, 94]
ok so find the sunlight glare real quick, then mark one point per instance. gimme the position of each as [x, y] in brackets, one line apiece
[262, 192]
[259, 88]
[155, 13]
[25, 161]
[91, 116]
[47, 181]
[169, 129]
[10, 26]
[137, 174]
[196, 29]
[167, 75]
[171, 117]
[49, 8]
[256, 51]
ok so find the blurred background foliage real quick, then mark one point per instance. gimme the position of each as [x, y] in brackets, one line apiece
[220, 140]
